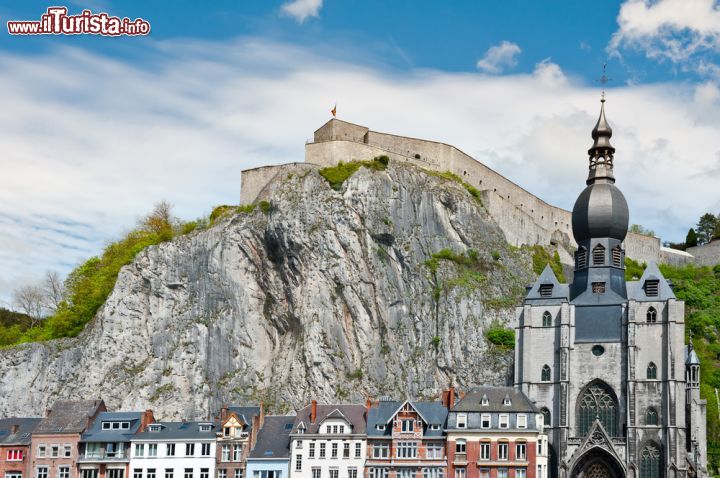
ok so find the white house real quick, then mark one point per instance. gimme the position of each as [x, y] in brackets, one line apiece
[328, 441]
[174, 450]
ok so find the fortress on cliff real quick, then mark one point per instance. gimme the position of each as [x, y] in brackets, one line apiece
[523, 217]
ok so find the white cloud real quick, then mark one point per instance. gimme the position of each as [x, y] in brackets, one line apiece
[79, 165]
[672, 30]
[498, 57]
[301, 10]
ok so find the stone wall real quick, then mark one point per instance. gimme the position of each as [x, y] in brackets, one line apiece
[675, 257]
[255, 183]
[707, 254]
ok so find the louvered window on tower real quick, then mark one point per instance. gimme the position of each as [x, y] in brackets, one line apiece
[598, 255]
[652, 287]
[546, 290]
[581, 258]
[617, 256]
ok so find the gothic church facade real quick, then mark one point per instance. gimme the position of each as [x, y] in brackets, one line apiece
[605, 359]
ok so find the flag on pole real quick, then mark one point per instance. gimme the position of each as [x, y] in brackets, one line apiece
[334, 110]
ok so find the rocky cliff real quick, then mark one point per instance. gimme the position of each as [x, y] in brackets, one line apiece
[385, 286]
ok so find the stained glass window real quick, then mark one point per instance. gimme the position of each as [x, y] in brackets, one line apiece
[597, 402]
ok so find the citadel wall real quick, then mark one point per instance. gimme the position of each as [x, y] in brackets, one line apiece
[707, 254]
[522, 216]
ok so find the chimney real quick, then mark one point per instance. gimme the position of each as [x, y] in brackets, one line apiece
[368, 403]
[147, 419]
[262, 415]
[14, 429]
[451, 397]
[444, 398]
[223, 413]
[313, 411]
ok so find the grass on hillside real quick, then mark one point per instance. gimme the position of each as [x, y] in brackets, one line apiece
[337, 175]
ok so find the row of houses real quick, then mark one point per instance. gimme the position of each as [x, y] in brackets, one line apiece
[493, 432]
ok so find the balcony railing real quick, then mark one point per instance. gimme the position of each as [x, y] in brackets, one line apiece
[105, 456]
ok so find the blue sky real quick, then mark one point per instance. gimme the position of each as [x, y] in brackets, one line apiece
[95, 130]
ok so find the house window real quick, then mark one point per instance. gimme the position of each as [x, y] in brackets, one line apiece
[652, 288]
[547, 419]
[322, 450]
[205, 449]
[151, 473]
[311, 450]
[90, 473]
[434, 451]
[651, 371]
[170, 473]
[238, 473]
[341, 429]
[63, 471]
[298, 462]
[189, 449]
[460, 446]
[581, 258]
[433, 472]
[461, 420]
[522, 421]
[225, 453]
[42, 472]
[460, 473]
[335, 429]
[41, 451]
[188, 473]
[222, 473]
[237, 452]
[485, 420]
[378, 472]
[152, 449]
[380, 427]
[504, 421]
[502, 451]
[54, 451]
[298, 444]
[170, 449]
[407, 449]
[617, 256]
[598, 254]
[67, 451]
[14, 455]
[407, 425]
[13, 474]
[226, 431]
[155, 428]
[381, 450]
[139, 449]
[137, 473]
[546, 290]
[346, 450]
[352, 472]
[520, 451]
[485, 450]
[435, 426]
[598, 287]
[547, 319]
[545, 374]
[358, 450]
[315, 472]
[502, 473]
[651, 316]
[484, 473]
[651, 417]
[334, 472]
[328, 429]
[334, 450]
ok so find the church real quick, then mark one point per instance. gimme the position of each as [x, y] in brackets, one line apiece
[604, 359]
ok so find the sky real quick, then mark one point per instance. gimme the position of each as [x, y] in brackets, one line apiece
[94, 130]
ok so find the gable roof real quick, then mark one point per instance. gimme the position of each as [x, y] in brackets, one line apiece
[273, 441]
[352, 413]
[560, 292]
[472, 401]
[23, 434]
[636, 289]
[432, 413]
[95, 432]
[245, 414]
[70, 416]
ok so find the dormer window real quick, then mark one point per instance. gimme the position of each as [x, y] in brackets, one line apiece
[484, 401]
[380, 426]
[301, 429]
[435, 426]
[154, 428]
[652, 287]
[115, 425]
[506, 401]
[546, 290]
[205, 427]
[617, 256]
[598, 255]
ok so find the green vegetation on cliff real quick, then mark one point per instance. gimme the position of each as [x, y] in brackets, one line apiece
[541, 257]
[337, 175]
[474, 192]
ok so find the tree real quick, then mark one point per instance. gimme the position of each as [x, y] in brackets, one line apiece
[30, 299]
[707, 228]
[54, 291]
[691, 239]
[638, 229]
[160, 221]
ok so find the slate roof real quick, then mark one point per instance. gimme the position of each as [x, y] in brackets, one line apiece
[691, 358]
[636, 289]
[69, 416]
[179, 431]
[273, 441]
[560, 292]
[22, 437]
[355, 414]
[246, 414]
[434, 413]
[96, 434]
[472, 401]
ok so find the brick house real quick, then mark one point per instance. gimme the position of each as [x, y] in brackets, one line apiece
[406, 439]
[236, 436]
[496, 432]
[105, 445]
[15, 436]
[55, 441]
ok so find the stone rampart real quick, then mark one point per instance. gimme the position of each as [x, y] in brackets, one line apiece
[707, 254]
[255, 183]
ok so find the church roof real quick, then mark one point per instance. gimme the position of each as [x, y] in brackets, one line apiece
[638, 290]
[691, 358]
[549, 295]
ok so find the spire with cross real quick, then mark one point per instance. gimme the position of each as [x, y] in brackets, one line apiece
[604, 79]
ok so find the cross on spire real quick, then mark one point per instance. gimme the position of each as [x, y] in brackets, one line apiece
[604, 79]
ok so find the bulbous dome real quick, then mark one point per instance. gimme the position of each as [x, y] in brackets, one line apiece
[600, 211]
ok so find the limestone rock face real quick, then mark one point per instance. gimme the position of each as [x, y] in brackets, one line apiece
[329, 295]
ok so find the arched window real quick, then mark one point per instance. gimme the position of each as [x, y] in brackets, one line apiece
[547, 319]
[652, 371]
[545, 374]
[547, 419]
[650, 461]
[651, 416]
[617, 256]
[581, 258]
[651, 315]
[598, 255]
[598, 401]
